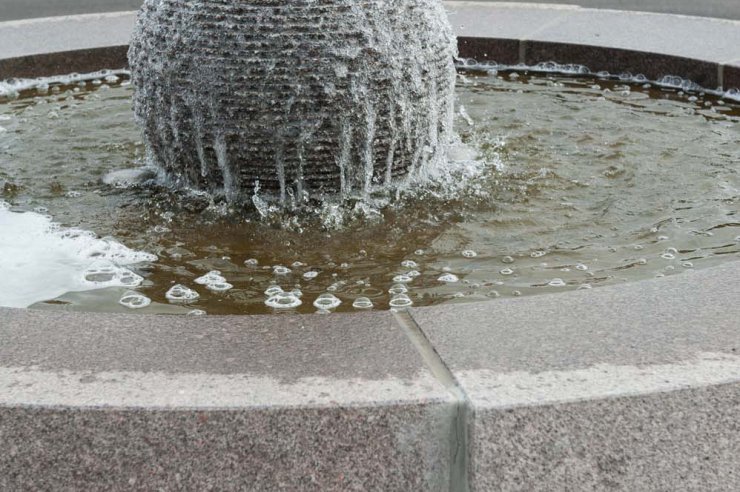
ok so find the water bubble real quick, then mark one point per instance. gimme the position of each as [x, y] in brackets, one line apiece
[538, 254]
[639, 247]
[401, 301]
[219, 286]
[469, 253]
[585, 286]
[581, 267]
[398, 289]
[642, 261]
[297, 264]
[668, 256]
[493, 294]
[273, 291]
[409, 264]
[196, 312]
[310, 275]
[687, 264]
[419, 252]
[107, 273]
[211, 277]
[362, 303]
[73, 194]
[134, 300]
[284, 300]
[414, 274]
[557, 282]
[672, 251]
[252, 262]
[507, 271]
[517, 293]
[181, 294]
[507, 260]
[327, 302]
[449, 278]
[403, 279]
[281, 270]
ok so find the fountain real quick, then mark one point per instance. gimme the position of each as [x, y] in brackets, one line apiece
[606, 176]
[299, 98]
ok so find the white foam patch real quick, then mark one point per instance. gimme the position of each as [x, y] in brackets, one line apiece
[40, 260]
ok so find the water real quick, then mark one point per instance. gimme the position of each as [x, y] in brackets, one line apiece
[559, 184]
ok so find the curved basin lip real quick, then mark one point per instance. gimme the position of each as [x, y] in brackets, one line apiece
[99, 45]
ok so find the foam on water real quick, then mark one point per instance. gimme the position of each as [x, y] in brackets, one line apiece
[41, 260]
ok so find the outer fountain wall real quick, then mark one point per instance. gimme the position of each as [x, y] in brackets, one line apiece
[300, 96]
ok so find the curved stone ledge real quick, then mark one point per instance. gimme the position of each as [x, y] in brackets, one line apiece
[632, 387]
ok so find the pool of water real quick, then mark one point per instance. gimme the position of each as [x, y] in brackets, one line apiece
[557, 183]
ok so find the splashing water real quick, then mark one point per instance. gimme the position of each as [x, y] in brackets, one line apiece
[272, 104]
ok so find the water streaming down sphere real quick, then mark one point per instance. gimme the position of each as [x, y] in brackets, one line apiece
[295, 97]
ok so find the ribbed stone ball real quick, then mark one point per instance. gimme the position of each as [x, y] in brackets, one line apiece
[294, 97]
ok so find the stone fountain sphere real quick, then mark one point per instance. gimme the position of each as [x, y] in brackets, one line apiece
[301, 96]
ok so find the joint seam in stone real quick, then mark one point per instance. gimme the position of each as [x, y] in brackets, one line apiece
[459, 480]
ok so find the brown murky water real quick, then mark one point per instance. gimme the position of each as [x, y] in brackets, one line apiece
[560, 183]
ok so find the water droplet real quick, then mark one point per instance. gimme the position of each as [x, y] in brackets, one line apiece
[211, 277]
[134, 300]
[310, 275]
[403, 279]
[284, 300]
[362, 303]
[252, 262]
[557, 282]
[273, 291]
[449, 278]
[327, 302]
[581, 267]
[409, 264]
[281, 270]
[507, 271]
[398, 289]
[469, 253]
[401, 301]
[219, 286]
[181, 294]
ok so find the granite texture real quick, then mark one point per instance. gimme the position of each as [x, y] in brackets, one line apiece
[488, 50]
[686, 440]
[731, 75]
[79, 61]
[668, 320]
[398, 447]
[617, 61]
[122, 402]
[634, 387]
[286, 348]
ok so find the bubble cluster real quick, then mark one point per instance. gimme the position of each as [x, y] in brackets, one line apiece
[284, 300]
[134, 300]
[449, 278]
[180, 294]
[327, 302]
